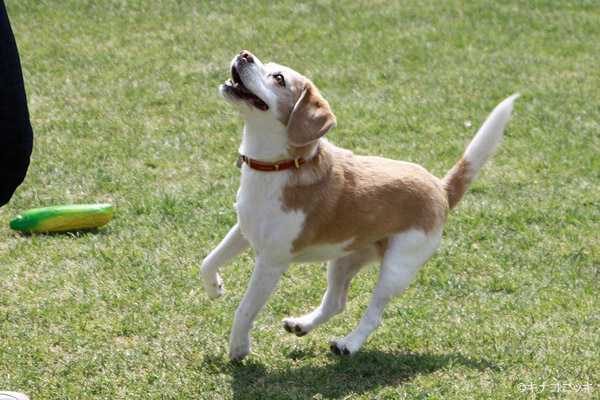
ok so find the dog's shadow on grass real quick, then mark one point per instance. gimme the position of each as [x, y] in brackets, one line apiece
[362, 373]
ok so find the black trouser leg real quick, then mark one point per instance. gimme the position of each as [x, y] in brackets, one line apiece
[16, 135]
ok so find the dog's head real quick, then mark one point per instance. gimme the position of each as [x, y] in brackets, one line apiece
[279, 93]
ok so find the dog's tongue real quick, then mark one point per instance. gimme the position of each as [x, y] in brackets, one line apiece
[256, 102]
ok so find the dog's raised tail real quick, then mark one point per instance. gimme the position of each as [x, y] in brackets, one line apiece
[481, 148]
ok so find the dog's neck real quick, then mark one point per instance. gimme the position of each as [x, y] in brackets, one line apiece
[266, 140]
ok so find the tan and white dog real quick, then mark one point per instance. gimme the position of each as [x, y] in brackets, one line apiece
[302, 199]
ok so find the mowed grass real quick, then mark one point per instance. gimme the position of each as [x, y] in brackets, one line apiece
[124, 103]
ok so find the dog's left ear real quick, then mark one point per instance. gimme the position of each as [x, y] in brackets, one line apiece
[311, 117]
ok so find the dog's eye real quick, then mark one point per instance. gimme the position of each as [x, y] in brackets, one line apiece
[279, 79]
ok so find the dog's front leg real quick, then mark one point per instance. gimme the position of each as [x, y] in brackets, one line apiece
[263, 282]
[230, 247]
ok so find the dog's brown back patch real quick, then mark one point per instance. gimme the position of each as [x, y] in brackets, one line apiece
[363, 198]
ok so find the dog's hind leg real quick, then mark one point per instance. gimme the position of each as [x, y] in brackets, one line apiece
[339, 275]
[404, 256]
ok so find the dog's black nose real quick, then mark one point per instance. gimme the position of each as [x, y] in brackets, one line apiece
[247, 55]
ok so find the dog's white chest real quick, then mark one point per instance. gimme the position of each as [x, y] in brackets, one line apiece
[267, 227]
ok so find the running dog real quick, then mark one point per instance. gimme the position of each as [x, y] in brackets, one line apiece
[302, 199]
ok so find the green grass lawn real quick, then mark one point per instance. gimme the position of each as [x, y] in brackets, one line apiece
[124, 103]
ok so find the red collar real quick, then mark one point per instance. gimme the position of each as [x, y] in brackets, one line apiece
[270, 166]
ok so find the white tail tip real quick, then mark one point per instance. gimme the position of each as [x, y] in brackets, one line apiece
[487, 138]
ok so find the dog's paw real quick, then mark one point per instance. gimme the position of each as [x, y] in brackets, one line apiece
[215, 289]
[237, 356]
[297, 326]
[341, 347]
[238, 349]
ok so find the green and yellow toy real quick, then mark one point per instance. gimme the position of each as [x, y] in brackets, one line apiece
[72, 217]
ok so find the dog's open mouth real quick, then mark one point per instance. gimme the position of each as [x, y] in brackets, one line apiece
[236, 85]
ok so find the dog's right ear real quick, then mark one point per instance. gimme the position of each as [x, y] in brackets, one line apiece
[311, 117]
